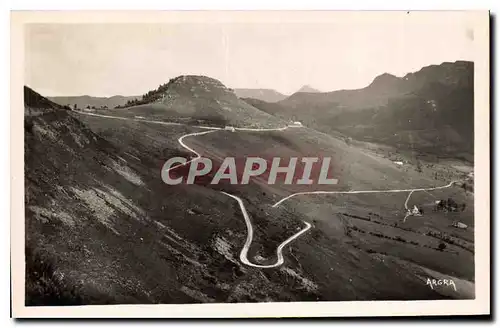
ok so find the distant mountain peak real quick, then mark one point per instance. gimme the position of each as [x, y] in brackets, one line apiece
[385, 79]
[308, 89]
[268, 95]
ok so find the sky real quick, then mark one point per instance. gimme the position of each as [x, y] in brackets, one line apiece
[340, 53]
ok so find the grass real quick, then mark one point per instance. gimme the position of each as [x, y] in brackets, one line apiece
[154, 243]
[44, 286]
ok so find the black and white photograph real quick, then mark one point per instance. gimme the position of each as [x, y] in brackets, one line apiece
[259, 158]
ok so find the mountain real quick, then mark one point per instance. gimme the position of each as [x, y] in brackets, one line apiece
[97, 102]
[103, 228]
[307, 89]
[431, 110]
[268, 95]
[192, 98]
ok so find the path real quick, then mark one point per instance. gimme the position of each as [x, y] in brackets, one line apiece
[248, 242]
[362, 192]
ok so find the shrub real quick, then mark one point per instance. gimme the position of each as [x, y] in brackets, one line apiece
[44, 287]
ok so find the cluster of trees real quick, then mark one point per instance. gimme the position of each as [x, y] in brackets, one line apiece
[441, 246]
[75, 107]
[449, 205]
[149, 96]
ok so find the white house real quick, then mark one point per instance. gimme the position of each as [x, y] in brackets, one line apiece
[415, 211]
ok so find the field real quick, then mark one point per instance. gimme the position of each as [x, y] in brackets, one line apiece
[102, 227]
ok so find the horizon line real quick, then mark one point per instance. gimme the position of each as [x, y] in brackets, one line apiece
[247, 88]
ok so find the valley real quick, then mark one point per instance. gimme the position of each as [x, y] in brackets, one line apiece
[103, 228]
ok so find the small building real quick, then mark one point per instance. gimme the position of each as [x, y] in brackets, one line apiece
[398, 163]
[297, 123]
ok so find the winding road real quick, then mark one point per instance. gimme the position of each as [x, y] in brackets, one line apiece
[198, 156]
[364, 192]
[248, 242]
[248, 222]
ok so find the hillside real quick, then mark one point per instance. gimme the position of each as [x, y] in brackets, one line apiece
[97, 102]
[35, 103]
[430, 111]
[268, 95]
[197, 99]
[102, 227]
[272, 108]
[307, 89]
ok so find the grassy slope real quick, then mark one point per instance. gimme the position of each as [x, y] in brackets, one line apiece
[326, 255]
[358, 169]
[103, 221]
[267, 95]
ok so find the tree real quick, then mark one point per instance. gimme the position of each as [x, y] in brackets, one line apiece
[419, 166]
[441, 246]
[452, 205]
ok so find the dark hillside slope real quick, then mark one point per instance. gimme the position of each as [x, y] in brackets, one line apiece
[268, 95]
[431, 110]
[307, 89]
[272, 108]
[36, 103]
[97, 102]
[102, 227]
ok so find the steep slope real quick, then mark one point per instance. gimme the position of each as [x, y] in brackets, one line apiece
[351, 233]
[307, 89]
[268, 95]
[97, 102]
[102, 227]
[431, 110]
[198, 99]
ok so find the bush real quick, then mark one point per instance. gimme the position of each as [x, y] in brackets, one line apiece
[44, 286]
[442, 246]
